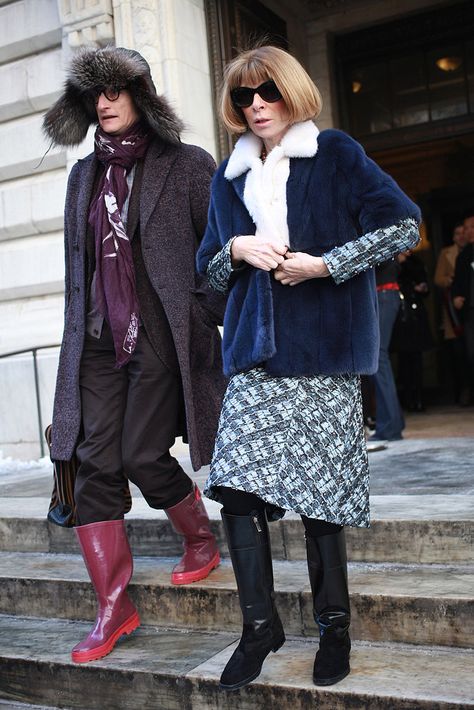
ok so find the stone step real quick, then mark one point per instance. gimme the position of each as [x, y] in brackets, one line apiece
[406, 529]
[171, 670]
[7, 705]
[411, 604]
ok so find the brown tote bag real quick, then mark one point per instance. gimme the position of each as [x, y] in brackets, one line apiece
[62, 509]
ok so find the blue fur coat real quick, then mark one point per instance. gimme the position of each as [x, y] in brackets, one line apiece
[334, 195]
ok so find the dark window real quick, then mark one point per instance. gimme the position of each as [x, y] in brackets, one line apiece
[418, 71]
[409, 90]
[447, 78]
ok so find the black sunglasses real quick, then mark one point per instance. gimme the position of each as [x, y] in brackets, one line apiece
[111, 93]
[242, 97]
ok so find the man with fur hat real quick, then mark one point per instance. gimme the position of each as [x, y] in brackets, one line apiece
[140, 360]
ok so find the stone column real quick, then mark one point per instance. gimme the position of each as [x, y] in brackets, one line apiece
[171, 35]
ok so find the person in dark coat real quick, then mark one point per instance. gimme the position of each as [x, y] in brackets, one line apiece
[462, 293]
[296, 221]
[411, 334]
[453, 342]
[140, 360]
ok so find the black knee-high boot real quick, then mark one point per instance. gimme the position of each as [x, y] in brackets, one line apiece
[249, 547]
[327, 566]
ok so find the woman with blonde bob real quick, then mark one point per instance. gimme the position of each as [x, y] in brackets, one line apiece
[297, 220]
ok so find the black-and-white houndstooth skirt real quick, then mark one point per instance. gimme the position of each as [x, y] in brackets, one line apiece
[298, 443]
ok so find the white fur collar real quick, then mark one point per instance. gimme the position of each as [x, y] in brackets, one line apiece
[300, 141]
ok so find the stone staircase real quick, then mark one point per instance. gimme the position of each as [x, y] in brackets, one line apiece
[412, 596]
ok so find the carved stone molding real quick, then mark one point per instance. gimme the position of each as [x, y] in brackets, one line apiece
[150, 27]
[87, 22]
[137, 25]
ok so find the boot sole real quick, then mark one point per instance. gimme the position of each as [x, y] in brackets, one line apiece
[196, 575]
[241, 683]
[104, 649]
[331, 681]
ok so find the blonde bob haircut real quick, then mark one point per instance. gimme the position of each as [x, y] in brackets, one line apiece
[255, 66]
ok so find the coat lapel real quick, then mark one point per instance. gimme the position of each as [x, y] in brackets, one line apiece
[89, 167]
[158, 161]
[238, 184]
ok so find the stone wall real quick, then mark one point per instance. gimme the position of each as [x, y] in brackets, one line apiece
[31, 200]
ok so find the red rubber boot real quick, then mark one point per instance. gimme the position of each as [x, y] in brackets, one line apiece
[106, 552]
[189, 518]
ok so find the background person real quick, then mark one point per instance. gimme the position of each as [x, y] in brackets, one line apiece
[297, 218]
[389, 420]
[412, 334]
[453, 343]
[463, 300]
[128, 381]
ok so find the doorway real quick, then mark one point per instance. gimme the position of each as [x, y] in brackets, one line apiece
[235, 25]
[439, 177]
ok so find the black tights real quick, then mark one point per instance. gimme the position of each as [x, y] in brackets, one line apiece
[237, 502]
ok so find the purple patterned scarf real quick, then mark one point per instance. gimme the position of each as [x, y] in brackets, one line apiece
[116, 292]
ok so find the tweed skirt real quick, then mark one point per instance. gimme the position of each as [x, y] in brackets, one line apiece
[296, 442]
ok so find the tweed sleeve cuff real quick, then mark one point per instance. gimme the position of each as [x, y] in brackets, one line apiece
[220, 269]
[370, 249]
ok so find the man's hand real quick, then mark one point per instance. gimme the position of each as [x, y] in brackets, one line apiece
[262, 252]
[421, 287]
[298, 267]
[458, 302]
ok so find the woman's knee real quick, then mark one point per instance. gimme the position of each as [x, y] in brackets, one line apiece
[238, 502]
[317, 528]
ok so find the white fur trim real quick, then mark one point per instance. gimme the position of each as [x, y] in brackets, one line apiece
[300, 141]
[265, 194]
[247, 148]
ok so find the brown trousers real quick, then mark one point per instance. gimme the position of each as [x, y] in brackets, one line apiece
[129, 418]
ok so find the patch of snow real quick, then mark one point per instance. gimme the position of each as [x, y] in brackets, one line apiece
[11, 465]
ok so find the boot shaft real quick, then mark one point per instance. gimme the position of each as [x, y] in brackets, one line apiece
[107, 556]
[189, 517]
[249, 548]
[327, 568]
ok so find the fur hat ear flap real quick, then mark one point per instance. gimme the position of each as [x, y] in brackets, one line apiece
[158, 113]
[68, 120]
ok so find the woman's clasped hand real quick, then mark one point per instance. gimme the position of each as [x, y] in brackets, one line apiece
[298, 267]
[267, 253]
[262, 252]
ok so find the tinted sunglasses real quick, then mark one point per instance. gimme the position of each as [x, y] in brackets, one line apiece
[242, 97]
[111, 93]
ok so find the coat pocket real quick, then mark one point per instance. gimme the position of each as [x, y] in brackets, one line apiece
[205, 342]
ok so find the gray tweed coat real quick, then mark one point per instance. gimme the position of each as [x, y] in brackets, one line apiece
[173, 213]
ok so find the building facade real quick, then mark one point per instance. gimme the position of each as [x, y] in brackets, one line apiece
[379, 66]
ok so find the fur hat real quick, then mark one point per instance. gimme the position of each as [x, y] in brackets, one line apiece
[66, 123]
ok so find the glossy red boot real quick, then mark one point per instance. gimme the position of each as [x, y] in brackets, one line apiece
[106, 552]
[189, 518]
